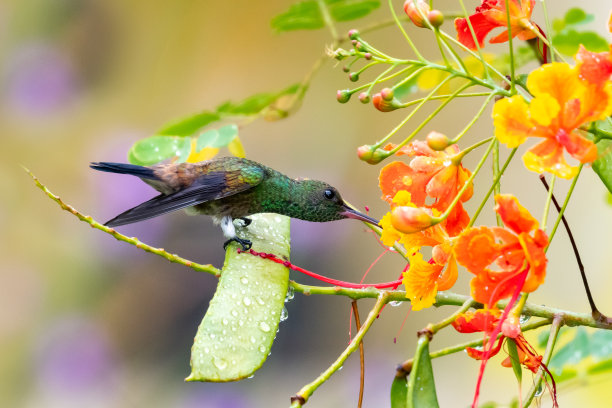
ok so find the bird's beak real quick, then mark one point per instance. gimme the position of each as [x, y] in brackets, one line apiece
[352, 213]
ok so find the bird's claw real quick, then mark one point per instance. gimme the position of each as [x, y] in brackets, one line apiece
[245, 243]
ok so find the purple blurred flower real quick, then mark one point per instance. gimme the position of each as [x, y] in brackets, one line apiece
[74, 355]
[39, 78]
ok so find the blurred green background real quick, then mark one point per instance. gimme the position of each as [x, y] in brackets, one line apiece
[86, 321]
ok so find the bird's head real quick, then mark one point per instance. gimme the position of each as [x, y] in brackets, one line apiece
[322, 202]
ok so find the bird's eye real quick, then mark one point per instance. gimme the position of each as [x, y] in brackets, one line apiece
[329, 194]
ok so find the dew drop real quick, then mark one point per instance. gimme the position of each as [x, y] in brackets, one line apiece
[225, 322]
[284, 314]
[524, 319]
[234, 313]
[247, 301]
[253, 339]
[220, 363]
[244, 280]
[212, 335]
[447, 163]
[206, 350]
[539, 391]
[262, 348]
[290, 294]
[260, 301]
[395, 303]
[265, 327]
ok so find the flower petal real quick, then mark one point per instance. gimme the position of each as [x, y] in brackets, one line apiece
[547, 156]
[476, 249]
[511, 121]
[514, 215]
[421, 282]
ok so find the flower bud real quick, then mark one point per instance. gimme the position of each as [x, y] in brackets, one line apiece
[437, 141]
[381, 104]
[352, 34]
[435, 18]
[343, 95]
[369, 154]
[387, 94]
[367, 56]
[417, 10]
[511, 327]
[354, 77]
[410, 219]
[364, 97]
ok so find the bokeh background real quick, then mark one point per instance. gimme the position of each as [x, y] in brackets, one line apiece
[86, 321]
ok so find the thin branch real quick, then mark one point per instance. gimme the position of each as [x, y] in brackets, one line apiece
[361, 356]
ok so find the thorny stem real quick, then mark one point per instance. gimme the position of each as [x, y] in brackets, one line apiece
[120, 237]
[306, 391]
[552, 339]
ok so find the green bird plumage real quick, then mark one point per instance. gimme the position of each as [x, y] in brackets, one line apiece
[231, 188]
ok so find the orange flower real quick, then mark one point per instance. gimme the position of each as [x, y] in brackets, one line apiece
[486, 320]
[438, 175]
[517, 254]
[562, 103]
[594, 67]
[423, 279]
[492, 14]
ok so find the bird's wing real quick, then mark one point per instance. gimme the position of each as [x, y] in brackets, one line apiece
[207, 187]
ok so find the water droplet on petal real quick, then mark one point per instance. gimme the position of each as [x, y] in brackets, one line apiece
[244, 280]
[265, 327]
[262, 348]
[220, 363]
[246, 301]
[284, 314]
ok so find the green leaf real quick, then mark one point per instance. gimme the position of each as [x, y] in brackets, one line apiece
[240, 325]
[568, 40]
[304, 15]
[603, 165]
[255, 103]
[406, 88]
[399, 392]
[217, 137]
[577, 16]
[154, 149]
[421, 385]
[188, 125]
[345, 10]
[515, 360]
[572, 353]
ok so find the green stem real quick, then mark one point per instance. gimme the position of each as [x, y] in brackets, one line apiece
[510, 47]
[495, 182]
[548, 28]
[496, 186]
[537, 32]
[399, 25]
[548, 201]
[552, 339]
[309, 389]
[466, 184]
[474, 38]
[120, 237]
[411, 114]
[378, 78]
[379, 81]
[567, 198]
[430, 117]
[434, 328]
[452, 51]
[475, 118]
[329, 22]
[458, 157]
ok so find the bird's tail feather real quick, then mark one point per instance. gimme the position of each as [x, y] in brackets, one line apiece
[122, 168]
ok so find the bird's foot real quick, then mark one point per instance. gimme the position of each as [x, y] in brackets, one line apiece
[245, 243]
[243, 222]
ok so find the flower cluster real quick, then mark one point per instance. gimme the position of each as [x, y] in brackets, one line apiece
[435, 176]
[564, 99]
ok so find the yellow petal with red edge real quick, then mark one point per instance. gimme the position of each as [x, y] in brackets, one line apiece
[514, 215]
[557, 79]
[547, 156]
[543, 109]
[511, 121]
[476, 249]
[578, 146]
[421, 282]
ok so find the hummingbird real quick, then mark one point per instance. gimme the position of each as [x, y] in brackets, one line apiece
[228, 189]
